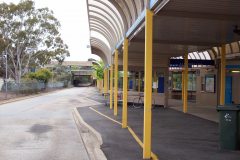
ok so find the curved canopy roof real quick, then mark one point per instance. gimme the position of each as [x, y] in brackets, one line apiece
[232, 50]
[111, 19]
[198, 29]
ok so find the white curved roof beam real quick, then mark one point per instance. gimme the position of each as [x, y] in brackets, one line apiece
[96, 29]
[99, 53]
[101, 45]
[126, 21]
[132, 6]
[99, 26]
[126, 9]
[110, 19]
[105, 21]
[105, 27]
[121, 19]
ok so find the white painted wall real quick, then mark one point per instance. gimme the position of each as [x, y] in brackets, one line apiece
[206, 98]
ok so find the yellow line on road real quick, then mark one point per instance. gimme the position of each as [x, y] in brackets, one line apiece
[154, 156]
[105, 116]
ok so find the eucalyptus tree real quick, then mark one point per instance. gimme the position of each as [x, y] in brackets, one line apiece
[30, 36]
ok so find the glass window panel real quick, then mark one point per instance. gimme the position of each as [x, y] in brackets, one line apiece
[192, 55]
[177, 81]
[201, 55]
[196, 55]
[207, 55]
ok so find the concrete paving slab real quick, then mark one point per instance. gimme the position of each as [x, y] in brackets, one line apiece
[203, 111]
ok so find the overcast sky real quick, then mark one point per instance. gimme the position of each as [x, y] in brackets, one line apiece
[72, 15]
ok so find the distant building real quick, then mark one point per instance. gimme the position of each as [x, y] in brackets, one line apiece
[81, 71]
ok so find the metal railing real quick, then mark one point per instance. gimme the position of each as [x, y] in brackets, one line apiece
[27, 88]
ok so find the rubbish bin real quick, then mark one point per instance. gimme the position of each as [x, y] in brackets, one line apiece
[229, 126]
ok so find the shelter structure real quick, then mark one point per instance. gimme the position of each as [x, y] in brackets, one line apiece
[154, 39]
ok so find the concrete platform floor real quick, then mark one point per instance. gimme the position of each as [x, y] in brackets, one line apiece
[175, 136]
[206, 112]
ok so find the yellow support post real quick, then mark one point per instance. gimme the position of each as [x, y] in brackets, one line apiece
[223, 75]
[105, 81]
[116, 83]
[111, 87]
[125, 83]
[155, 80]
[147, 126]
[185, 85]
[139, 81]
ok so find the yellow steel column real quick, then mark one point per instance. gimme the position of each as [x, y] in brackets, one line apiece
[185, 85]
[139, 81]
[147, 126]
[223, 75]
[155, 80]
[125, 83]
[111, 87]
[105, 81]
[116, 83]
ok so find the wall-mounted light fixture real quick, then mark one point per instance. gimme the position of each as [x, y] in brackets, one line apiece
[235, 71]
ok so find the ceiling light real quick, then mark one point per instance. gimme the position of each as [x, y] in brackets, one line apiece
[235, 71]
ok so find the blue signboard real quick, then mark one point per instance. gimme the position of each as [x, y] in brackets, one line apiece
[232, 66]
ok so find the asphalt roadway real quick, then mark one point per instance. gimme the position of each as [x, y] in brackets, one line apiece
[175, 136]
[43, 128]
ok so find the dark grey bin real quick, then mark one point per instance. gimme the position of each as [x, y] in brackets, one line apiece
[229, 121]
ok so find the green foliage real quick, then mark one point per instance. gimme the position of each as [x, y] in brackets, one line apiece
[42, 75]
[31, 75]
[30, 36]
[98, 70]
